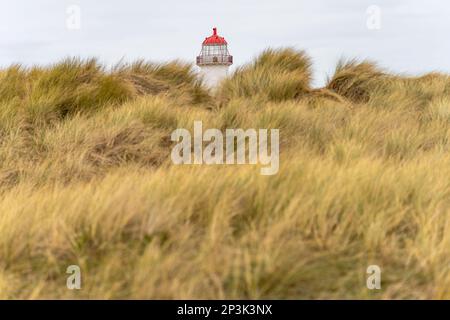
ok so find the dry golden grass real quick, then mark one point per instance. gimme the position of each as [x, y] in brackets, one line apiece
[86, 179]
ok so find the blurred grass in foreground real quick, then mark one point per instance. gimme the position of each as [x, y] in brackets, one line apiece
[86, 178]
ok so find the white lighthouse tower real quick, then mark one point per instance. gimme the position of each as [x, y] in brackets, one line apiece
[214, 59]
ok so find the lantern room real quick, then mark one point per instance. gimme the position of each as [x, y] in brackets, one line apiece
[214, 51]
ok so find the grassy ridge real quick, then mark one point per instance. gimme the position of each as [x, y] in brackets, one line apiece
[86, 178]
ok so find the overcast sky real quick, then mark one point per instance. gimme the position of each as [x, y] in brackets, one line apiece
[413, 35]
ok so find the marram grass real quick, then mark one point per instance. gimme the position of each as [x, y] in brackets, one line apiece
[86, 179]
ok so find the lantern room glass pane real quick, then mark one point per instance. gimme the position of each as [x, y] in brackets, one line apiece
[214, 50]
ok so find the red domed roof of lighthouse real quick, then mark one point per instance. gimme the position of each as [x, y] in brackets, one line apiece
[215, 39]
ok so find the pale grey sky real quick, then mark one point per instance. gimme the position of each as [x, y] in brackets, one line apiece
[413, 37]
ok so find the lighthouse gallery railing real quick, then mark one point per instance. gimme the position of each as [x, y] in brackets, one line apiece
[215, 59]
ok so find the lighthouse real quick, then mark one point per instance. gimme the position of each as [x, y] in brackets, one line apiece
[214, 59]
